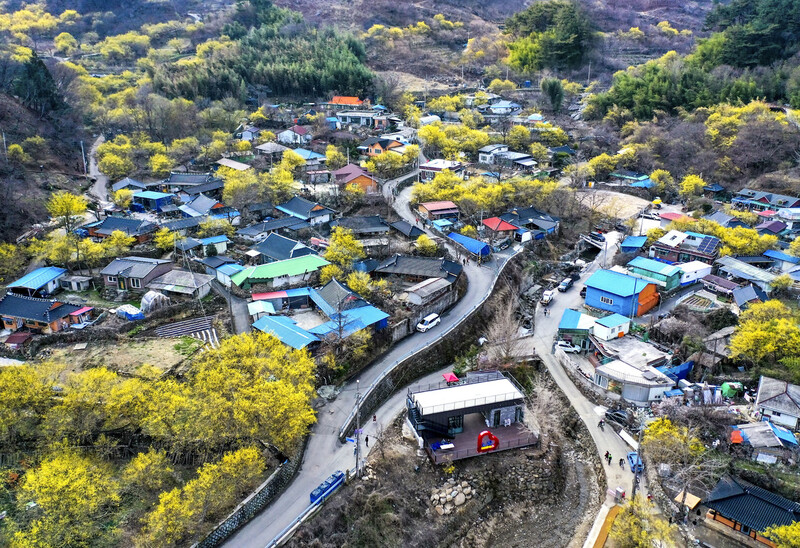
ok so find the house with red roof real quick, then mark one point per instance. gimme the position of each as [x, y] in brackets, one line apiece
[438, 210]
[343, 101]
[667, 218]
[352, 174]
[295, 135]
[498, 228]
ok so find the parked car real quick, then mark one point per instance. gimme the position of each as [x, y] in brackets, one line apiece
[547, 297]
[596, 236]
[583, 292]
[617, 415]
[650, 215]
[568, 347]
[635, 462]
[428, 322]
[565, 284]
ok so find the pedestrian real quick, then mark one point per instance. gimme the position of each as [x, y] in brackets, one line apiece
[606, 455]
[610, 458]
[374, 419]
[366, 441]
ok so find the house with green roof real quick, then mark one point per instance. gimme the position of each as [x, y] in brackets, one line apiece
[280, 273]
[664, 275]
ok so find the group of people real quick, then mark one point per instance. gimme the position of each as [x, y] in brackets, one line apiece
[609, 458]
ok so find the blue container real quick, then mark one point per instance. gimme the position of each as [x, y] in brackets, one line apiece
[527, 84]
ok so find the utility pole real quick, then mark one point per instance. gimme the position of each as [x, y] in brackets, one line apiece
[83, 157]
[358, 428]
[639, 456]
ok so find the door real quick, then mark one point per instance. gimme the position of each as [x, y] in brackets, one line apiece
[121, 283]
[495, 418]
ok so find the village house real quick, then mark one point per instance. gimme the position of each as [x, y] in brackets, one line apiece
[375, 146]
[295, 135]
[479, 414]
[280, 273]
[488, 154]
[200, 206]
[313, 159]
[725, 220]
[41, 282]
[259, 231]
[246, 132]
[497, 229]
[745, 296]
[749, 509]
[407, 229]
[760, 200]
[430, 169]
[531, 219]
[39, 315]
[631, 178]
[681, 247]
[141, 230]
[130, 184]
[662, 274]
[779, 401]
[767, 442]
[363, 225]
[413, 269]
[364, 118]
[744, 272]
[339, 102]
[185, 180]
[352, 174]
[133, 273]
[273, 151]
[149, 200]
[620, 293]
[312, 212]
[233, 164]
[278, 248]
[632, 244]
[183, 283]
[694, 271]
[444, 209]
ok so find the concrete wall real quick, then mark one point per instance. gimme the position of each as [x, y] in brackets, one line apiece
[406, 327]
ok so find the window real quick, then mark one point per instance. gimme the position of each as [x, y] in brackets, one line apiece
[112, 279]
[136, 283]
[606, 300]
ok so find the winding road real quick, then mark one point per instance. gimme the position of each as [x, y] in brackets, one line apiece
[324, 452]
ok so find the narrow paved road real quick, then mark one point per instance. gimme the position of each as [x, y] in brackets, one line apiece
[99, 189]
[325, 453]
[238, 308]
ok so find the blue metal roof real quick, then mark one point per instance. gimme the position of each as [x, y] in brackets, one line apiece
[308, 154]
[355, 319]
[674, 392]
[472, 245]
[634, 241]
[286, 330]
[772, 254]
[646, 183]
[214, 240]
[152, 195]
[655, 266]
[616, 283]
[783, 434]
[613, 320]
[230, 269]
[569, 320]
[38, 278]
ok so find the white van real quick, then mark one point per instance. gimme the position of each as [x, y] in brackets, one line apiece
[428, 322]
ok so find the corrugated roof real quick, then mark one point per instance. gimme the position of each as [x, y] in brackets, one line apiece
[616, 283]
[476, 247]
[441, 205]
[741, 269]
[289, 267]
[38, 278]
[498, 224]
[180, 281]
[772, 254]
[286, 331]
[634, 241]
[573, 319]
[779, 395]
[131, 267]
[152, 195]
[613, 320]
[655, 266]
[350, 321]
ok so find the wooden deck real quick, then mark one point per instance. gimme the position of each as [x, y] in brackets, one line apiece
[466, 443]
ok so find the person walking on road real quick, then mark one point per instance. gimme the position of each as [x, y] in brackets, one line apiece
[610, 458]
[366, 441]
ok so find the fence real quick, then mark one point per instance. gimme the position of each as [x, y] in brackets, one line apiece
[386, 382]
[449, 456]
[262, 497]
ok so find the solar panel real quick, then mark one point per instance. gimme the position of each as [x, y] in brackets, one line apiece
[708, 245]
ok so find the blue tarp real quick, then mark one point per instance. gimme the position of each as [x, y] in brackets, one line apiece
[783, 434]
[677, 372]
[647, 183]
[476, 247]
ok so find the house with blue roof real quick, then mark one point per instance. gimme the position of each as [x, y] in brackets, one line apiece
[611, 327]
[662, 274]
[784, 261]
[313, 159]
[616, 292]
[150, 200]
[575, 327]
[343, 312]
[38, 283]
[220, 244]
[473, 246]
[632, 244]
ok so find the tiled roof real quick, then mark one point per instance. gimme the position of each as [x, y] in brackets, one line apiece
[753, 506]
[280, 248]
[131, 267]
[364, 223]
[39, 310]
[424, 267]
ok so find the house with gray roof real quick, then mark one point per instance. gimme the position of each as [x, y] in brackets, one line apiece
[278, 248]
[141, 230]
[259, 231]
[417, 269]
[407, 229]
[133, 273]
[779, 402]
[725, 220]
[306, 210]
[128, 183]
[363, 225]
[41, 315]
[179, 282]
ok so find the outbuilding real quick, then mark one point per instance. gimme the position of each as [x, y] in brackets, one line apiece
[620, 293]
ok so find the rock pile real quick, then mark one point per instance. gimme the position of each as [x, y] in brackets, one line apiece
[452, 495]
